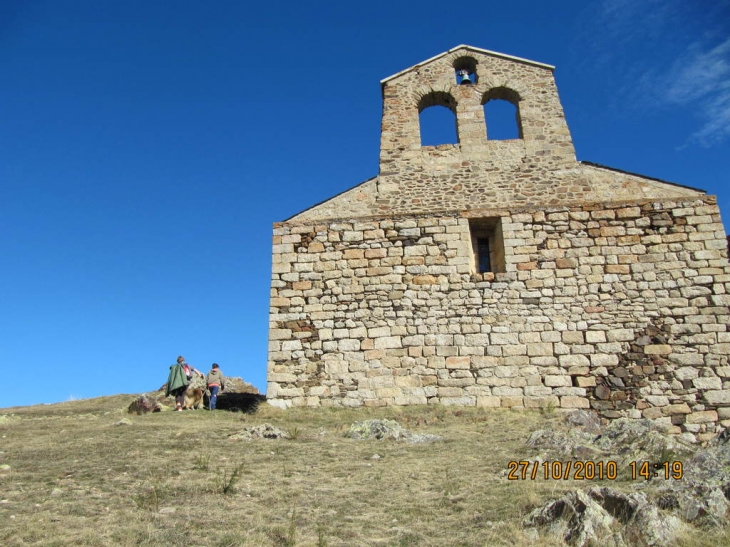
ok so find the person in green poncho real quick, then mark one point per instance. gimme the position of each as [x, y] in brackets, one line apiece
[177, 382]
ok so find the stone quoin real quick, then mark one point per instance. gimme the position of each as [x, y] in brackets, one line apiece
[502, 273]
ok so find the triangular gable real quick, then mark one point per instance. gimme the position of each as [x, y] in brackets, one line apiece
[466, 48]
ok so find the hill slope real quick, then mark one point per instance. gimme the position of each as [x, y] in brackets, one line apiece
[87, 473]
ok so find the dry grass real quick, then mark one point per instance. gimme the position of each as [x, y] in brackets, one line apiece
[176, 479]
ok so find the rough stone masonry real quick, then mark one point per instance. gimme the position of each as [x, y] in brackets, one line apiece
[502, 272]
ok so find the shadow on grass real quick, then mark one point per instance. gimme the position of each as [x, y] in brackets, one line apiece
[240, 402]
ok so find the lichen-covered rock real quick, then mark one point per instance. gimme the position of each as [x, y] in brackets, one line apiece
[262, 431]
[376, 429]
[604, 516]
[386, 429]
[703, 490]
[640, 440]
[575, 443]
[586, 420]
[623, 440]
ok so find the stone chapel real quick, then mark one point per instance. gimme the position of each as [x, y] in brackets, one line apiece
[502, 273]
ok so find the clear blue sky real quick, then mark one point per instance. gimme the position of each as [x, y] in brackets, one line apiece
[146, 148]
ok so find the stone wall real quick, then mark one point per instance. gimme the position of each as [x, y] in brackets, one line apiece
[620, 307]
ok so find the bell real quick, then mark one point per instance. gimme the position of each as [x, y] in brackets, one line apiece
[465, 79]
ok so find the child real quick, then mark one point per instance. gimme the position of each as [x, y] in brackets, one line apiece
[215, 384]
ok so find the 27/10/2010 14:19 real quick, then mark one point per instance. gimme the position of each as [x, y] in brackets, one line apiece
[591, 470]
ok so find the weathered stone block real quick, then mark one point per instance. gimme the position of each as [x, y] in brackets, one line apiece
[558, 380]
[658, 349]
[574, 402]
[707, 383]
[652, 413]
[703, 417]
[458, 362]
[717, 397]
[387, 342]
[567, 361]
[504, 391]
[488, 401]
[620, 335]
[541, 402]
[585, 381]
[682, 408]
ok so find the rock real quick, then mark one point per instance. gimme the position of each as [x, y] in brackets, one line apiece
[717, 505]
[604, 516]
[585, 419]
[198, 382]
[387, 429]
[144, 404]
[702, 491]
[576, 443]
[4, 468]
[376, 429]
[56, 492]
[421, 438]
[263, 431]
[700, 494]
[639, 440]
[238, 385]
[124, 421]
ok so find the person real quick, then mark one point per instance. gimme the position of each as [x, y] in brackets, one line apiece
[177, 382]
[215, 384]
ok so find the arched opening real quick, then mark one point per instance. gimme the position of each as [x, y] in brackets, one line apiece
[465, 70]
[502, 114]
[437, 119]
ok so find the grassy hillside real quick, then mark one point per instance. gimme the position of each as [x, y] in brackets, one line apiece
[79, 477]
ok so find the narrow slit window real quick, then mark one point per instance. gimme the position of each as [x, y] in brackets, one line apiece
[487, 244]
[485, 264]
